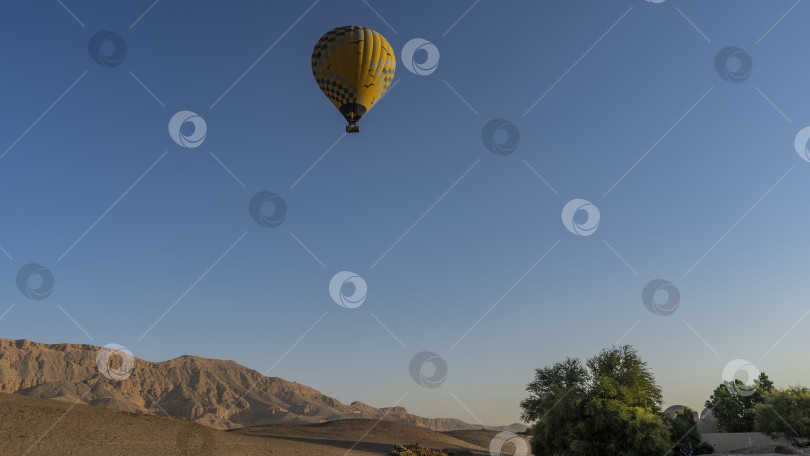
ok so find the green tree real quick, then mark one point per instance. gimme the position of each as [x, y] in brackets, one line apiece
[735, 411]
[611, 405]
[683, 429]
[784, 413]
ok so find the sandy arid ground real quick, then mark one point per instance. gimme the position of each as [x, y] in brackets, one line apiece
[345, 433]
[483, 437]
[48, 427]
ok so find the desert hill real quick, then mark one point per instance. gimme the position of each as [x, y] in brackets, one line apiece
[47, 427]
[384, 434]
[216, 393]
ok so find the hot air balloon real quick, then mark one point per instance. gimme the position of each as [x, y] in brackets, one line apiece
[353, 67]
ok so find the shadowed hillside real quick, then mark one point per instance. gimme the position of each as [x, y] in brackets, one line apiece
[47, 427]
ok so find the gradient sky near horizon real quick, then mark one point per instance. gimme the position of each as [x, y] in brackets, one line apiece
[465, 253]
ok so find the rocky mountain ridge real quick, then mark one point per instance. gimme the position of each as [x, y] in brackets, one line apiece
[216, 393]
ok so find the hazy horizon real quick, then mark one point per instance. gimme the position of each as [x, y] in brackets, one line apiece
[680, 123]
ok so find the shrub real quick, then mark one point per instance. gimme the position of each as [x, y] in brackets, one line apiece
[703, 448]
[414, 450]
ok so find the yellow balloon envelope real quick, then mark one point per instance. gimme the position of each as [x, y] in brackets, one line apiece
[353, 67]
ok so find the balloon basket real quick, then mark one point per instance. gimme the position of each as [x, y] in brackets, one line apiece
[352, 128]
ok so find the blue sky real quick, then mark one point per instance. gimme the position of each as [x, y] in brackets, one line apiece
[695, 178]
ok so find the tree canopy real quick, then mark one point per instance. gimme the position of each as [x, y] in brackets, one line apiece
[683, 429]
[785, 413]
[735, 411]
[610, 405]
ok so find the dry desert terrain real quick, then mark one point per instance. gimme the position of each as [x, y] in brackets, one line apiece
[37, 426]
